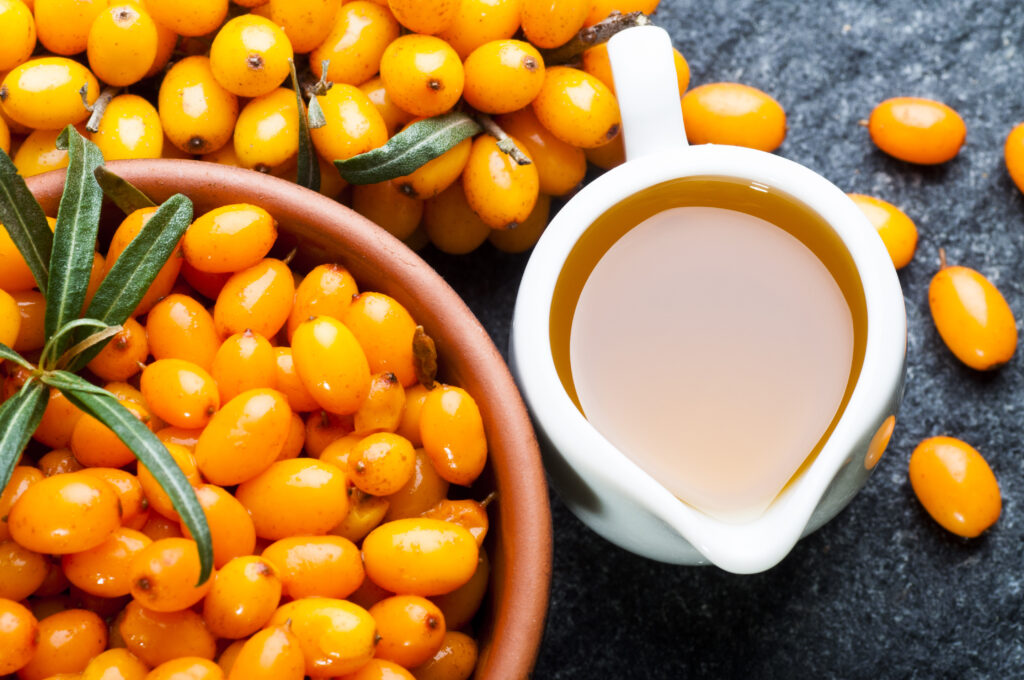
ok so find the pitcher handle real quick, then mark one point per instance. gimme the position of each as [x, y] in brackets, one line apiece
[644, 69]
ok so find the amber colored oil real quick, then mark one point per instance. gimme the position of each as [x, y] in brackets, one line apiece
[712, 330]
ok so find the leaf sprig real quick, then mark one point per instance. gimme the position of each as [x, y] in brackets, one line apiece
[60, 263]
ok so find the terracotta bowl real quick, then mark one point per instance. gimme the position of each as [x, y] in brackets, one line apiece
[520, 538]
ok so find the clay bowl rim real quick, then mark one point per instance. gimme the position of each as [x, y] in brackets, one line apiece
[521, 559]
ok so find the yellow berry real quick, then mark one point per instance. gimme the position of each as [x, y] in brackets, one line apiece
[354, 125]
[503, 76]
[422, 74]
[731, 113]
[451, 224]
[898, 232]
[197, 113]
[249, 56]
[267, 131]
[122, 44]
[305, 22]
[63, 25]
[189, 17]
[498, 189]
[361, 32]
[424, 16]
[44, 93]
[130, 128]
[577, 108]
[17, 33]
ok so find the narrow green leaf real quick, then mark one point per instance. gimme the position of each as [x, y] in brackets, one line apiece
[129, 279]
[151, 452]
[308, 173]
[49, 353]
[63, 381]
[25, 221]
[19, 417]
[74, 239]
[9, 354]
[409, 150]
[123, 193]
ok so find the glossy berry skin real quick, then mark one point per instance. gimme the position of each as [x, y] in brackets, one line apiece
[65, 514]
[380, 669]
[917, 130]
[424, 16]
[244, 437]
[95, 444]
[560, 166]
[31, 330]
[178, 327]
[157, 637]
[436, 175]
[22, 477]
[271, 654]
[189, 17]
[973, 318]
[394, 117]
[163, 576]
[409, 426]
[130, 128]
[158, 499]
[503, 76]
[597, 63]
[479, 21]
[120, 358]
[229, 238]
[244, 595]
[249, 56]
[384, 329]
[577, 108]
[601, 9]
[422, 74]
[461, 605]
[67, 641]
[354, 125]
[231, 529]
[305, 22]
[386, 205]
[498, 189]
[267, 131]
[411, 628]
[327, 290]
[245, 361]
[43, 93]
[1013, 152]
[451, 224]
[122, 44]
[453, 434]
[21, 571]
[552, 23]
[381, 464]
[104, 570]
[316, 490]
[383, 406]
[364, 514]
[10, 318]
[15, 276]
[187, 668]
[62, 26]
[198, 114]
[17, 34]
[361, 32]
[455, 660]
[331, 364]
[18, 635]
[524, 236]
[38, 153]
[466, 512]
[955, 485]
[129, 492]
[180, 392]
[115, 664]
[258, 299]
[316, 566]
[731, 113]
[321, 624]
[288, 382]
[898, 232]
[420, 556]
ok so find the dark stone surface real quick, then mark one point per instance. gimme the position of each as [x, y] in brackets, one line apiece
[881, 591]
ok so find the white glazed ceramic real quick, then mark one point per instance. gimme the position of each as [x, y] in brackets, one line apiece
[603, 487]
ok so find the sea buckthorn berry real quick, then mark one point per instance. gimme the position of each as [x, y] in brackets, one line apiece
[15, 276]
[227, 658]
[365, 512]
[58, 462]
[123, 391]
[166, 41]
[55, 584]
[955, 485]
[128, 488]
[451, 224]
[5, 133]
[43, 93]
[129, 128]
[577, 108]
[388, 206]
[898, 232]
[354, 125]
[453, 434]
[380, 669]
[436, 175]
[289, 383]
[31, 329]
[503, 76]
[422, 74]
[425, 16]
[189, 17]
[315, 492]
[384, 329]
[179, 435]
[17, 34]
[205, 283]
[917, 130]
[22, 477]
[336, 636]
[104, 570]
[187, 668]
[305, 22]
[327, 290]
[197, 112]
[38, 153]
[336, 451]
[244, 437]
[244, 594]
[272, 654]
[62, 26]
[19, 636]
[467, 513]
[498, 189]
[157, 526]
[115, 664]
[383, 406]
[230, 238]
[560, 166]
[249, 56]
[267, 131]
[178, 327]
[65, 514]
[323, 566]
[95, 445]
[972, 317]
[461, 605]
[1013, 151]
[419, 556]
[163, 576]
[394, 117]
[293, 445]
[231, 529]
[331, 363]
[355, 43]
[455, 660]
[597, 63]
[525, 235]
[165, 278]
[602, 9]
[479, 21]
[552, 23]
[157, 497]
[381, 464]
[731, 113]
[369, 594]
[122, 357]
[122, 44]
[409, 425]
[245, 361]
[411, 629]
[21, 571]
[156, 637]
[67, 641]
[180, 392]
[58, 422]
[258, 299]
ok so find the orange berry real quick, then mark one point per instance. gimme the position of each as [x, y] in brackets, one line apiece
[227, 658]
[316, 492]
[337, 450]
[58, 422]
[271, 654]
[58, 462]
[353, 124]
[731, 113]
[115, 664]
[165, 278]
[394, 117]
[22, 571]
[244, 437]
[249, 55]
[355, 42]
[157, 526]
[155, 495]
[122, 44]
[305, 22]
[577, 108]
[422, 74]
[104, 570]
[288, 382]
[296, 440]
[19, 636]
[230, 238]
[244, 361]
[467, 513]
[323, 566]
[560, 166]
[336, 636]
[123, 355]
[22, 477]
[552, 23]
[187, 668]
[955, 485]
[425, 16]
[67, 641]
[232, 531]
[65, 514]
[436, 175]
[450, 223]
[384, 330]
[54, 584]
[178, 327]
[189, 17]
[409, 425]
[498, 189]
[388, 206]
[325, 291]
[163, 576]
[166, 41]
[331, 363]
[129, 491]
[198, 114]
[455, 660]
[206, 284]
[380, 669]
[503, 76]
[43, 93]
[326, 432]
[38, 153]
[461, 605]
[602, 9]
[524, 236]
[381, 464]
[267, 131]
[917, 130]
[383, 406]
[156, 637]
[17, 35]
[479, 21]
[420, 556]
[597, 63]
[15, 276]
[31, 329]
[180, 392]
[369, 594]
[453, 434]
[411, 629]
[1013, 152]
[179, 435]
[258, 298]
[365, 512]
[96, 445]
[898, 232]
[244, 594]
[63, 25]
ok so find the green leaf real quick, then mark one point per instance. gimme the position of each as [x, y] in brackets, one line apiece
[9, 354]
[409, 150]
[74, 239]
[63, 381]
[133, 272]
[19, 417]
[25, 221]
[308, 173]
[151, 452]
[49, 353]
[123, 193]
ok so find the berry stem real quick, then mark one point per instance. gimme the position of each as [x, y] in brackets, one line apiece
[99, 107]
[942, 258]
[505, 142]
[592, 36]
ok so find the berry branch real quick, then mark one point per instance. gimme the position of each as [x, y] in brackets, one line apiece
[592, 36]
